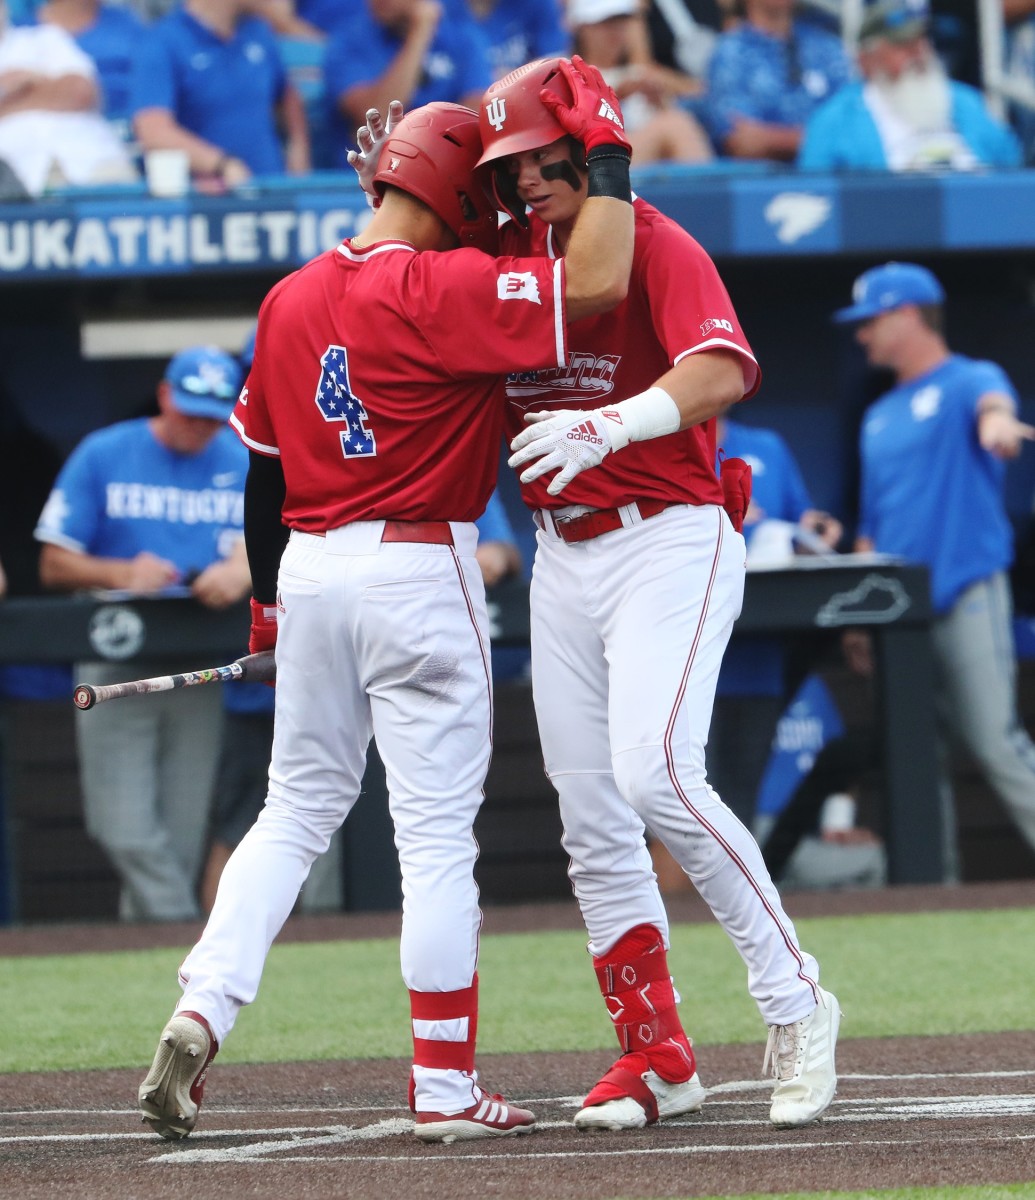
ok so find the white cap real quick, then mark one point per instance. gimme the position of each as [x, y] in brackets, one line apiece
[838, 813]
[589, 12]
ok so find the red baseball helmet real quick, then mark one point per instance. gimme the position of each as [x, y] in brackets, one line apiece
[512, 118]
[433, 154]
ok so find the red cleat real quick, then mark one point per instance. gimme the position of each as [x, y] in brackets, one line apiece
[489, 1116]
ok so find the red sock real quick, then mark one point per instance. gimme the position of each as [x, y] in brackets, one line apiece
[637, 989]
[457, 1054]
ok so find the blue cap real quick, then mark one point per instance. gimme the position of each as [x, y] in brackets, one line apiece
[247, 355]
[891, 286]
[205, 381]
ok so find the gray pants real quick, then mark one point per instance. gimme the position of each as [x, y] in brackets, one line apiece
[147, 766]
[976, 674]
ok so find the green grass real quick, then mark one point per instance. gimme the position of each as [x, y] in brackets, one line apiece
[930, 973]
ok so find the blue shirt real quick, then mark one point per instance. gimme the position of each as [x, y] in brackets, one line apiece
[494, 524]
[777, 487]
[223, 91]
[776, 80]
[754, 666]
[324, 14]
[112, 42]
[811, 720]
[360, 50]
[519, 31]
[122, 492]
[841, 135]
[930, 493]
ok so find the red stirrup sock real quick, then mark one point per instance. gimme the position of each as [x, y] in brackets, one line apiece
[445, 1027]
[641, 1001]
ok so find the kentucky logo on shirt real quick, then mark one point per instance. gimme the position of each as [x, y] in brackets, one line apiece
[925, 402]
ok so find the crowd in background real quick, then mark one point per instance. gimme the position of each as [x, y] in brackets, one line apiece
[263, 88]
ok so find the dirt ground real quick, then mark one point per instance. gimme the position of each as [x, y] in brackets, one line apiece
[909, 1111]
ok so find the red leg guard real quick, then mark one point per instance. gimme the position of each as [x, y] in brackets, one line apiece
[637, 989]
[432, 1044]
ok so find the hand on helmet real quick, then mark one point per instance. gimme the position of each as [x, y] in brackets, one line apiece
[371, 138]
[594, 116]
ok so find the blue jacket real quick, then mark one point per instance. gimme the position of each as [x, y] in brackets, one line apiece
[841, 135]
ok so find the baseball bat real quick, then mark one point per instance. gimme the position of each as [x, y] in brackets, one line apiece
[252, 668]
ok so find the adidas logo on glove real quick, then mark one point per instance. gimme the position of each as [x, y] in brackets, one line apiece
[609, 114]
[586, 432]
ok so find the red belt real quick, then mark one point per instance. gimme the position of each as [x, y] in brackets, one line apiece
[435, 533]
[601, 520]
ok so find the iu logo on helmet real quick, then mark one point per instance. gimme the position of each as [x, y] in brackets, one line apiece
[496, 111]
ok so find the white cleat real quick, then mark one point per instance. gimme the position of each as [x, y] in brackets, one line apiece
[171, 1094]
[673, 1100]
[801, 1058]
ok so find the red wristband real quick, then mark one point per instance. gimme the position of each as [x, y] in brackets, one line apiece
[263, 634]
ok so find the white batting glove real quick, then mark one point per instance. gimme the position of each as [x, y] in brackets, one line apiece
[370, 138]
[569, 440]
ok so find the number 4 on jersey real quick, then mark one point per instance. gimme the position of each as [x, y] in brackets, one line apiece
[337, 402]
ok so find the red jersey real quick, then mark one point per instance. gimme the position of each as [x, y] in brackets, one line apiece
[677, 305]
[378, 378]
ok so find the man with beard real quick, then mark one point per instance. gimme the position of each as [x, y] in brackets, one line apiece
[906, 114]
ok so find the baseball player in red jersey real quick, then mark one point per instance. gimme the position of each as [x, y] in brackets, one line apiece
[637, 580]
[374, 421]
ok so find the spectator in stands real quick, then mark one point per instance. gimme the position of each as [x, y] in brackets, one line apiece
[683, 33]
[110, 34]
[905, 114]
[754, 687]
[767, 76]
[956, 34]
[415, 51]
[209, 80]
[1020, 65]
[612, 35]
[303, 46]
[284, 17]
[52, 133]
[518, 31]
[143, 506]
[932, 491]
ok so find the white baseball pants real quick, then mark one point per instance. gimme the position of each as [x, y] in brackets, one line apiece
[628, 631]
[388, 639]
